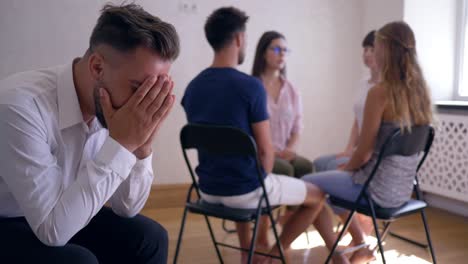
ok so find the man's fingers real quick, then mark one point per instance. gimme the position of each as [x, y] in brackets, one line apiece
[153, 92]
[164, 110]
[140, 94]
[160, 98]
[158, 122]
[106, 104]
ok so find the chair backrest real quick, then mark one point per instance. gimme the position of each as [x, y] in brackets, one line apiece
[408, 143]
[418, 141]
[217, 140]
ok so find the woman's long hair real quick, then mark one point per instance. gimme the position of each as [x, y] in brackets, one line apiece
[408, 94]
[262, 46]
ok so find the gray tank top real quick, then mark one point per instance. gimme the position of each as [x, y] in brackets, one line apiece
[392, 184]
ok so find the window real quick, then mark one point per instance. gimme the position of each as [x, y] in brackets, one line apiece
[461, 87]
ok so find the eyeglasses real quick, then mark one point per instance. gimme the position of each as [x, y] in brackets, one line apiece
[277, 50]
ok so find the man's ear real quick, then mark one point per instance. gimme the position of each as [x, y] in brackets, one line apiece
[96, 65]
[239, 38]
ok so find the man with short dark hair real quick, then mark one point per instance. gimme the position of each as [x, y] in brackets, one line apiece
[222, 95]
[60, 165]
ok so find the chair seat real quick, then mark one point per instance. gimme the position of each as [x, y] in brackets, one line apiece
[381, 213]
[224, 212]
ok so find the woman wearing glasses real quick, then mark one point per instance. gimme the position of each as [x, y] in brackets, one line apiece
[284, 106]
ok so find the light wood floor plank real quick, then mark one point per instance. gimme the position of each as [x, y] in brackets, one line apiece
[449, 233]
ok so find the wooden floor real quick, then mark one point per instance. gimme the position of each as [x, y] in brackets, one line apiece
[449, 233]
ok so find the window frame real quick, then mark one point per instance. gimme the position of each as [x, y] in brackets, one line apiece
[461, 48]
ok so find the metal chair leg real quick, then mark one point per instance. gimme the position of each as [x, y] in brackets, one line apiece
[179, 240]
[254, 238]
[215, 243]
[275, 232]
[406, 239]
[409, 240]
[428, 236]
[386, 229]
[376, 228]
[226, 229]
[342, 232]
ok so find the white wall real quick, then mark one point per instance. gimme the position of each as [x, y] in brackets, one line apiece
[41, 33]
[435, 26]
[325, 63]
[377, 13]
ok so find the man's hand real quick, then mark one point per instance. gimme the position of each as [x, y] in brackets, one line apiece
[136, 122]
[146, 149]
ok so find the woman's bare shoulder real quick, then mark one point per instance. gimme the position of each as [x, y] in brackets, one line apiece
[377, 93]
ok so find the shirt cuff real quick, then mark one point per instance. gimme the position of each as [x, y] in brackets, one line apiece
[114, 156]
[146, 163]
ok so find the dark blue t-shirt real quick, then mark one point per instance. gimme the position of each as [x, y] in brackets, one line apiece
[226, 96]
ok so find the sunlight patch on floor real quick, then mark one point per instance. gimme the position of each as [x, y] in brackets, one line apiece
[315, 240]
[393, 256]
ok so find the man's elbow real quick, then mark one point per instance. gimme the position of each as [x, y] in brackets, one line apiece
[49, 236]
[54, 243]
[266, 156]
[127, 214]
[266, 152]
[127, 211]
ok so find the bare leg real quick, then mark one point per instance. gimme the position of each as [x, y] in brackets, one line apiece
[262, 236]
[287, 215]
[301, 218]
[363, 255]
[324, 225]
[366, 224]
[244, 234]
[354, 229]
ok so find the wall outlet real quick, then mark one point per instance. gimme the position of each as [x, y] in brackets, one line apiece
[188, 7]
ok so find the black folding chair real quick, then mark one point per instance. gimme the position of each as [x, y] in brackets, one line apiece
[278, 215]
[222, 140]
[418, 141]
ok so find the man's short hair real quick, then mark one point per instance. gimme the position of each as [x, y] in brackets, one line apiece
[222, 24]
[127, 27]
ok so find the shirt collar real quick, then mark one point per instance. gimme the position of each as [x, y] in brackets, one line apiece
[69, 110]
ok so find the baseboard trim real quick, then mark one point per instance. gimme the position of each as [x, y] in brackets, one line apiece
[174, 196]
[167, 196]
[447, 204]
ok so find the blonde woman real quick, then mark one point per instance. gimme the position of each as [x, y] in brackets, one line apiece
[400, 100]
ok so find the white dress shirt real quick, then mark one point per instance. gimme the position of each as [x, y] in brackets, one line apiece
[360, 102]
[55, 170]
